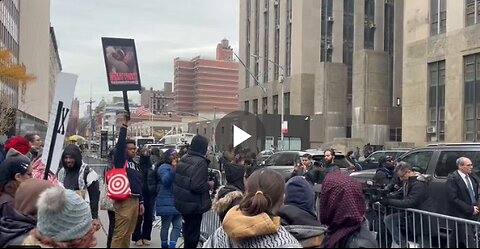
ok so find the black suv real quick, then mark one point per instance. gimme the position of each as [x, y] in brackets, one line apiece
[438, 161]
[373, 160]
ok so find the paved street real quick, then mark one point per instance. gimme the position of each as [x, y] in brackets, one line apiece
[102, 234]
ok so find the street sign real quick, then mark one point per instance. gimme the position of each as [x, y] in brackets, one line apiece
[59, 117]
[285, 127]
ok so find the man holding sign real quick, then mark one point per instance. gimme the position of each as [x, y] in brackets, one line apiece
[127, 211]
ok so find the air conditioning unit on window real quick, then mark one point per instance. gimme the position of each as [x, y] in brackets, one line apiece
[276, 2]
[278, 26]
[372, 26]
[329, 46]
[330, 19]
[431, 130]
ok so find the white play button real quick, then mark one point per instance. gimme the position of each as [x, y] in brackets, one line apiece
[239, 136]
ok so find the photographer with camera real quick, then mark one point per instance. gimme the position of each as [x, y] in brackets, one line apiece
[385, 173]
[415, 195]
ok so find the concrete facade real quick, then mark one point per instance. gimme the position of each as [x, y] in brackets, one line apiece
[319, 47]
[35, 54]
[159, 101]
[422, 48]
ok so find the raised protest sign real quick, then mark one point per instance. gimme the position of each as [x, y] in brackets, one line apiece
[121, 64]
[57, 125]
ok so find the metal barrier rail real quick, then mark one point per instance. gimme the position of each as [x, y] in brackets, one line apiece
[418, 228]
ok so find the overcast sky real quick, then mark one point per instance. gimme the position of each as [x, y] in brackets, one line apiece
[162, 29]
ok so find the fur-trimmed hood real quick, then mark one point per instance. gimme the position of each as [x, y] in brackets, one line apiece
[223, 202]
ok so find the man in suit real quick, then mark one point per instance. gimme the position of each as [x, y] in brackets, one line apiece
[462, 192]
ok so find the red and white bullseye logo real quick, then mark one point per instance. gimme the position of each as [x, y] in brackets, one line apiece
[119, 185]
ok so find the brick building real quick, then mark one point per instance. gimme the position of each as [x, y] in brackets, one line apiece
[203, 85]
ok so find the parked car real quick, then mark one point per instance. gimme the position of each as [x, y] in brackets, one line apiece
[437, 161]
[283, 162]
[263, 155]
[373, 160]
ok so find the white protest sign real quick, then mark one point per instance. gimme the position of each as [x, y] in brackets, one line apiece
[58, 122]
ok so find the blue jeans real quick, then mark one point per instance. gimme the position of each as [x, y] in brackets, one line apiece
[176, 221]
[395, 224]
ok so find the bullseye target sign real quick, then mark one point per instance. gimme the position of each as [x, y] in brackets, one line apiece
[118, 185]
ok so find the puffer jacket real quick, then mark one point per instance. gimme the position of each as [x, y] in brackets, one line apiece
[191, 189]
[165, 203]
[14, 229]
[260, 231]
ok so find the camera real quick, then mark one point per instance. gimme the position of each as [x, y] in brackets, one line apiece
[374, 192]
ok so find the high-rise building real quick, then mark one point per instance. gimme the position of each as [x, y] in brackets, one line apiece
[336, 61]
[9, 39]
[207, 86]
[442, 54]
[72, 128]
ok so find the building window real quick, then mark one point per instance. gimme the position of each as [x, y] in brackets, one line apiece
[396, 134]
[277, 40]
[472, 7]
[348, 9]
[436, 106]
[255, 106]
[265, 105]
[266, 41]
[257, 39]
[327, 25]
[247, 50]
[288, 58]
[275, 104]
[472, 98]
[286, 104]
[438, 16]
[246, 106]
[369, 29]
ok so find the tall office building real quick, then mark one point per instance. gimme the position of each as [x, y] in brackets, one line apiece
[10, 39]
[442, 55]
[336, 61]
[203, 86]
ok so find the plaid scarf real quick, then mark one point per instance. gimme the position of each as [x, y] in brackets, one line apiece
[342, 207]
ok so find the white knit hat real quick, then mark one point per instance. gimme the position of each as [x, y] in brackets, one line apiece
[63, 215]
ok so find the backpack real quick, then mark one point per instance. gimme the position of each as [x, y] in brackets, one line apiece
[118, 184]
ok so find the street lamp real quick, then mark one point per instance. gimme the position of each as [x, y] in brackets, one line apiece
[280, 80]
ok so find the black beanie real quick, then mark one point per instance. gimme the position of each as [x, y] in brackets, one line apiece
[199, 145]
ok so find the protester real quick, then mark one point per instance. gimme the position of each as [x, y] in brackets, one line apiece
[15, 229]
[342, 210]
[18, 146]
[143, 231]
[64, 220]
[108, 203]
[76, 175]
[165, 201]
[35, 143]
[299, 203]
[252, 224]
[155, 156]
[231, 194]
[298, 214]
[13, 171]
[127, 211]
[191, 189]
[329, 166]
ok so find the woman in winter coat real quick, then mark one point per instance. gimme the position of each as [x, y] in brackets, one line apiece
[343, 211]
[14, 229]
[252, 223]
[165, 200]
[13, 171]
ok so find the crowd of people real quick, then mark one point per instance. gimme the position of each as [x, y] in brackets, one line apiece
[256, 206]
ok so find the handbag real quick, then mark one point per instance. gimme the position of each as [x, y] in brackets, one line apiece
[105, 202]
[118, 185]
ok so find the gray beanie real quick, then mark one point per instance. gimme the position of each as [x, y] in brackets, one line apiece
[63, 215]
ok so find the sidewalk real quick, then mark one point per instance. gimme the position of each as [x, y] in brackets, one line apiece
[102, 234]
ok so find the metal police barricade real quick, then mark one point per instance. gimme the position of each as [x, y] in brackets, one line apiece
[422, 229]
